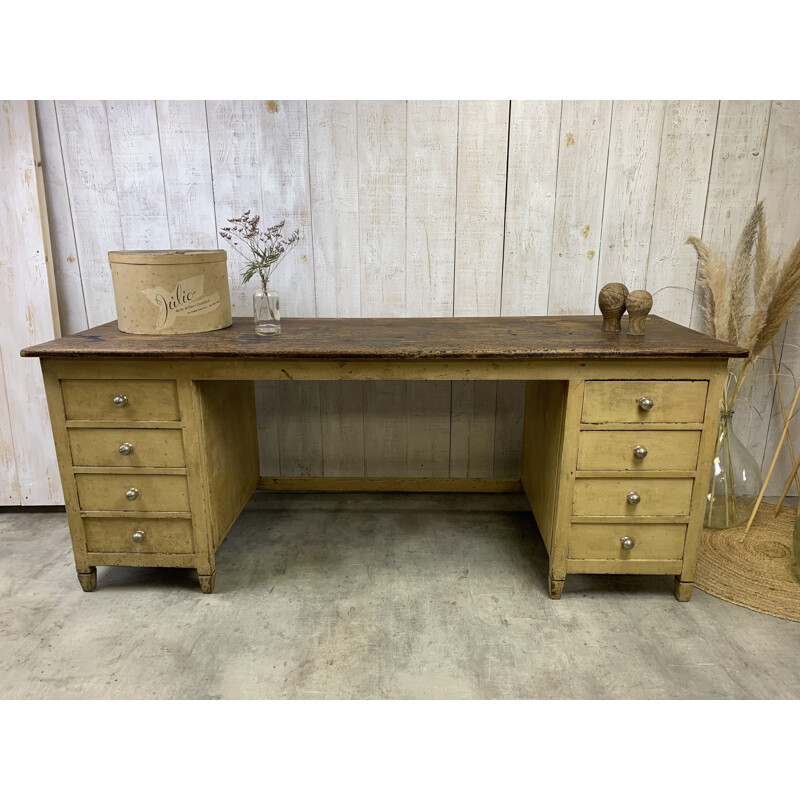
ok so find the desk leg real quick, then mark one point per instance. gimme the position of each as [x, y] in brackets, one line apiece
[556, 587]
[207, 582]
[683, 589]
[88, 580]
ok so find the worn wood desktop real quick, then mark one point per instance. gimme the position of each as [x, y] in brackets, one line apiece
[157, 446]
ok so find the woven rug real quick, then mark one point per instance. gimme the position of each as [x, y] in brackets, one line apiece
[755, 570]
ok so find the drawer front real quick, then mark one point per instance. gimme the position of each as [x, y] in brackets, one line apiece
[116, 535]
[141, 447]
[153, 492]
[608, 497]
[653, 541]
[618, 401]
[614, 450]
[139, 400]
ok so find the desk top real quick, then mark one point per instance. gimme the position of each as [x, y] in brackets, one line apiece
[407, 339]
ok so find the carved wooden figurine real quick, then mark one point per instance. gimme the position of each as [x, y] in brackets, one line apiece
[612, 305]
[638, 304]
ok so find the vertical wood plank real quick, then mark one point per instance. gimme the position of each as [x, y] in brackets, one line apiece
[736, 167]
[432, 159]
[382, 207]
[286, 196]
[333, 156]
[333, 171]
[136, 155]
[283, 132]
[186, 165]
[686, 147]
[480, 207]
[342, 418]
[9, 485]
[28, 313]
[473, 429]
[533, 142]
[382, 247]
[582, 158]
[385, 450]
[92, 189]
[234, 143]
[71, 303]
[633, 156]
[530, 206]
[780, 190]
[431, 216]
[480, 229]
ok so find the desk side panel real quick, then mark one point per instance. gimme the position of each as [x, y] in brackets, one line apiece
[229, 449]
[545, 406]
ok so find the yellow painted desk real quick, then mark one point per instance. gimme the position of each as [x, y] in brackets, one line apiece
[157, 442]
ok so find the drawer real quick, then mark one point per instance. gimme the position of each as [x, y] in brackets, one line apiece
[151, 447]
[618, 401]
[614, 450]
[140, 400]
[652, 541]
[115, 535]
[154, 492]
[608, 497]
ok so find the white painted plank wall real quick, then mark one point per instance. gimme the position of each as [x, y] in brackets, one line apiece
[780, 191]
[423, 208]
[27, 455]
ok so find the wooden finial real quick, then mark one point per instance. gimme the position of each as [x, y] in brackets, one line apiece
[612, 305]
[638, 305]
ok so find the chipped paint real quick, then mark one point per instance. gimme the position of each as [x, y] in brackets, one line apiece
[570, 140]
[272, 106]
[585, 231]
[590, 254]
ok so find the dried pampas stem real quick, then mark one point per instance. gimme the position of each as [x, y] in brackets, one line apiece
[740, 278]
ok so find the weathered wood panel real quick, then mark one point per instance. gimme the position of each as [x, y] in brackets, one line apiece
[630, 193]
[93, 199]
[66, 269]
[530, 206]
[423, 208]
[382, 247]
[186, 163]
[583, 154]
[780, 190]
[31, 471]
[136, 156]
[686, 146]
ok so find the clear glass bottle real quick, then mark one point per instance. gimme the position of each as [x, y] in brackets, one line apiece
[735, 479]
[266, 311]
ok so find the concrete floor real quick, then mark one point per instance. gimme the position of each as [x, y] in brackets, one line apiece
[371, 596]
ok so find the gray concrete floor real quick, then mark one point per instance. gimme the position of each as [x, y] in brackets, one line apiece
[371, 596]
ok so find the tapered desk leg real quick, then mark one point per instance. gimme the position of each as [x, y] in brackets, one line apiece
[207, 582]
[88, 580]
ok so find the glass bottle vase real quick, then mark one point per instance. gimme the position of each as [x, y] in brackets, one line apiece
[735, 479]
[266, 311]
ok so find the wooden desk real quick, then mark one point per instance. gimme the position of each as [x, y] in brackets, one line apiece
[157, 445]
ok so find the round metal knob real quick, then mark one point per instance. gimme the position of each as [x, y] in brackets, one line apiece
[127, 448]
[120, 400]
[627, 543]
[138, 537]
[132, 494]
[634, 498]
[638, 451]
[645, 403]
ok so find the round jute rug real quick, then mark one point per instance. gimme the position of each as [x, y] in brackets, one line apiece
[754, 570]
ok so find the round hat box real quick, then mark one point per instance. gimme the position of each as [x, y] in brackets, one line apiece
[171, 291]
